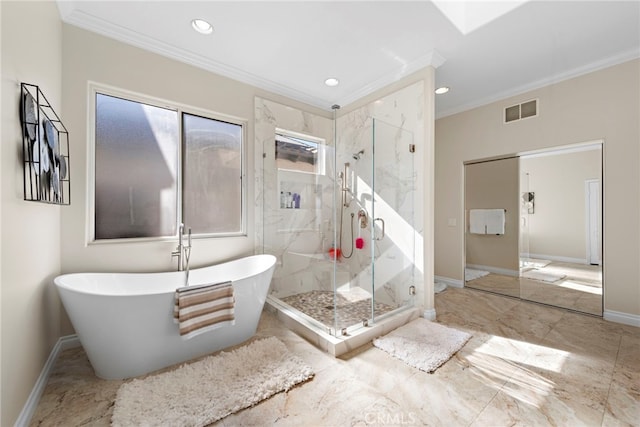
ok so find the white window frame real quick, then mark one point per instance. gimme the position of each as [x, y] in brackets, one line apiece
[95, 88]
[322, 150]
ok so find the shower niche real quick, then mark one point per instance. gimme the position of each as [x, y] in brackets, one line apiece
[300, 169]
[295, 193]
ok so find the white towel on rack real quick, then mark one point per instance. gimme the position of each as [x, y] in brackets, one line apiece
[494, 221]
[477, 221]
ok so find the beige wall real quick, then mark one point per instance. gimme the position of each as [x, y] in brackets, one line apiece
[600, 105]
[493, 185]
[558, 226]
[31, 53]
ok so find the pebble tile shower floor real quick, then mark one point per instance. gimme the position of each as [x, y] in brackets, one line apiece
[319, 305]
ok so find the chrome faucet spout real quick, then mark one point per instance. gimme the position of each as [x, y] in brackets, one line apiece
[187, 256]
[180, 248]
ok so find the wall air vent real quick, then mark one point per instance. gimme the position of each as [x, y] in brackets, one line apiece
[521, 111]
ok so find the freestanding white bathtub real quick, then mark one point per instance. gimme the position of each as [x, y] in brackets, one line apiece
[125, 320]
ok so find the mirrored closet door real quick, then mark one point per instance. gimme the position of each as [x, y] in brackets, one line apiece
[534, 227]
[492, 215]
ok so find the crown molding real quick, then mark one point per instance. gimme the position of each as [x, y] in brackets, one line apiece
[557, 78]
[432, 58]
[91, 23]
[73, 16]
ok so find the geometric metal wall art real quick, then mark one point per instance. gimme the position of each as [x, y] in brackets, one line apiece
[45, 149]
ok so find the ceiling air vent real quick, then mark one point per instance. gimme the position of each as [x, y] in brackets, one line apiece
[521, 111]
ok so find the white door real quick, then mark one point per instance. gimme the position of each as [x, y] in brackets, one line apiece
[592, 188]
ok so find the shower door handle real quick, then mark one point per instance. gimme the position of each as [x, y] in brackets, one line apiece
[382, 221]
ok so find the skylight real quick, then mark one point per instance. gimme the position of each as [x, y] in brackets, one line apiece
[470, 15]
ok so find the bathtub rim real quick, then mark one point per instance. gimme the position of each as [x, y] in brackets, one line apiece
[81, 288]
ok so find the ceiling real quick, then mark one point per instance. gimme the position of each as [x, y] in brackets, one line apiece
[291, 47]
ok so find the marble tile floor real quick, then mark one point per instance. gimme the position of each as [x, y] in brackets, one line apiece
[527, 364]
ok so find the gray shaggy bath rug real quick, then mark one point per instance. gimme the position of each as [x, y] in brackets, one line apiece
[202, 392]
[423, 344]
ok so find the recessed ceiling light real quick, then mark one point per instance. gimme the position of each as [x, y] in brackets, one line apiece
[202, 26]
[332, 81]
[442, 90]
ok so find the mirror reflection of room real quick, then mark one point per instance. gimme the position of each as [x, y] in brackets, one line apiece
[492, 257]
[561, 229]
[551, 249]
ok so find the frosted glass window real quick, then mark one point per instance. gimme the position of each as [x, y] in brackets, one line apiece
[153, 172]
[212, 186]
[136, 166]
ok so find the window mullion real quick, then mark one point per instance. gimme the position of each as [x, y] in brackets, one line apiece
[180, 174]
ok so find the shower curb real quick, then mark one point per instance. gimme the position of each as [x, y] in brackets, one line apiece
[337, 346]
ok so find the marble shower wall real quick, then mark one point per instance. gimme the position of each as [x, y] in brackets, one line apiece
[301, 238]
[384, 129]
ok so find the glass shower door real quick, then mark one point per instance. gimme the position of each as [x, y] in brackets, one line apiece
[375, 218]
[354, 205]
[393, 216]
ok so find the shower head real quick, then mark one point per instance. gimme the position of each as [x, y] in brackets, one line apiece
[356, 156]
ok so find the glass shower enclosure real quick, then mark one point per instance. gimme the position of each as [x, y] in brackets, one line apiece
[339, 216]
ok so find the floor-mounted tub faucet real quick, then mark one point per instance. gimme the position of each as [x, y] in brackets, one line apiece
[187, 256]
[178, 252]
[182, 252]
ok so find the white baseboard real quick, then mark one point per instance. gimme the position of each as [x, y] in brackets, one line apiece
[68, 341]
[559, 258]
[429, 314]
[496, 270]
[620, 317]
[454, 283]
